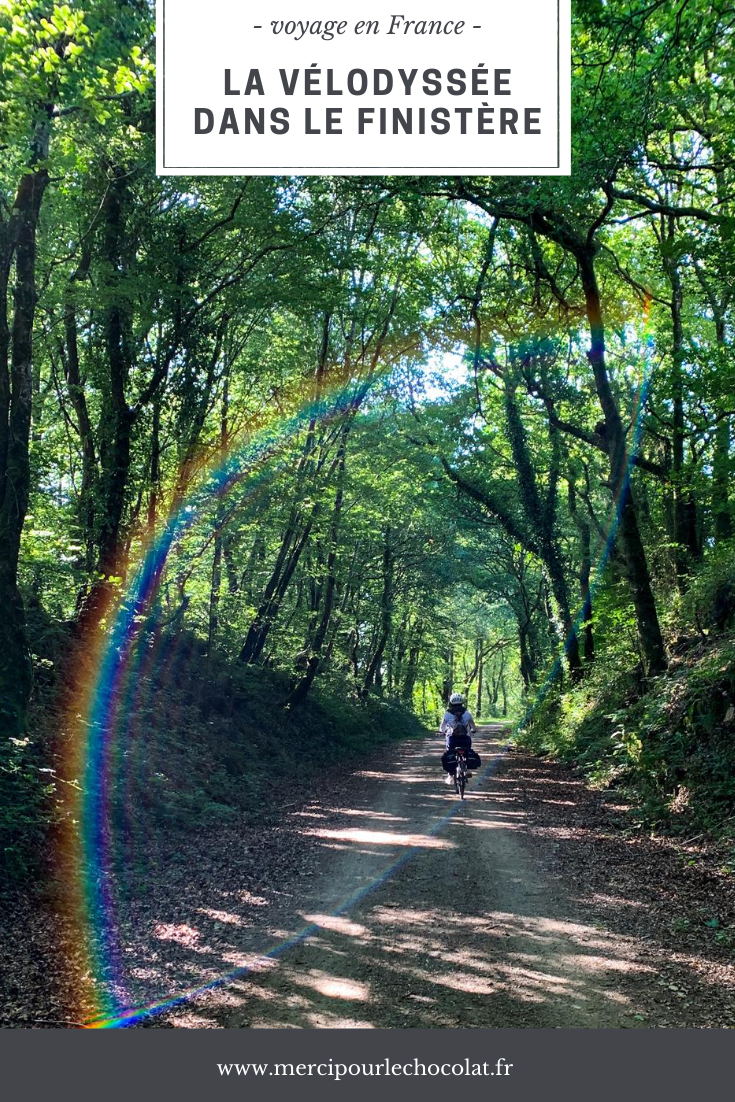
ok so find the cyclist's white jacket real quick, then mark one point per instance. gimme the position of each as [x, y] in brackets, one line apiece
[450, 721]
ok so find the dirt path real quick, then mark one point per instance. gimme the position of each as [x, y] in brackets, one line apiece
[384, 901]
[417, 910]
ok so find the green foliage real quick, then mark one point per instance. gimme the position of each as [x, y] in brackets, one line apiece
[216, 743]
[71, 64]
[668, 744]
[25, 793]
[424, 394]
[710, 599]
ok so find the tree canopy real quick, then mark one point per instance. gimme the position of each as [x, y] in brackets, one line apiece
[438, 433]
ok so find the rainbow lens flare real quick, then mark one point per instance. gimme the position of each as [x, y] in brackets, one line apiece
[105, 714]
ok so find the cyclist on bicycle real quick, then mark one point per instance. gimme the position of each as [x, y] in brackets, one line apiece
[456, 716]
[457, 713]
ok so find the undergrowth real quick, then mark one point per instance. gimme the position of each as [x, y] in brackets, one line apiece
[214, 746]
[667, 743]
[201, 742]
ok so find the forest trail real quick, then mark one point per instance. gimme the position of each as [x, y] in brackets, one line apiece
[468, 931]
[460, 924]
[373, 897]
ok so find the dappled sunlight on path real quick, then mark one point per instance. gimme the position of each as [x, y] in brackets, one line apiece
[414, 910]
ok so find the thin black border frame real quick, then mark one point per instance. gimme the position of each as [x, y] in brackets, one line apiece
[335, 171]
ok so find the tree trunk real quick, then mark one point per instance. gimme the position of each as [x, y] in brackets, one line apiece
[75, 385]
[636, 565]
[117, 419]
[293, 543]
[154, 491]
[216, 582]
[585, 570]
[386, 613]
[296, 535]
[528, 671]
[721, 478]
[686, 543]
[314, 660]
[492, 691]
[721, 475]
[414, 653]
[541, 516]
[16, 394]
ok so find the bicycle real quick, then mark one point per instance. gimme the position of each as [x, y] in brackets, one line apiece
[460, 773]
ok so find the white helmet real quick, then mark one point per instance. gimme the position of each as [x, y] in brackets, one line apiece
[456, 698]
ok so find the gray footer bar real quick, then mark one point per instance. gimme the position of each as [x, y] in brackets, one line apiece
[507, 1064]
